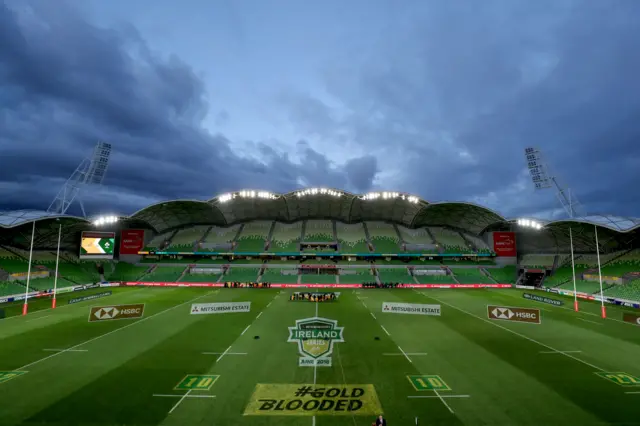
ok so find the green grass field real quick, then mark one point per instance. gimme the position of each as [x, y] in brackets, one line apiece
[498, 372]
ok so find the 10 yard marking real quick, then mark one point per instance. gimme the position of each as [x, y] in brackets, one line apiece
[197, 382]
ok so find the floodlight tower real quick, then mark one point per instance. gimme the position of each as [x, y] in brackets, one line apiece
[540, 176]
[91, 171]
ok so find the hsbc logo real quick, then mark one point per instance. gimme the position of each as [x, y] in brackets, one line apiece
[506, 313]
[106, 313]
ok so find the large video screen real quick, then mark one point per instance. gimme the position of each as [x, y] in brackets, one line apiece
[97, 245]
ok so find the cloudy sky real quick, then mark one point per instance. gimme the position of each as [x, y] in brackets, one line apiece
[434, 98]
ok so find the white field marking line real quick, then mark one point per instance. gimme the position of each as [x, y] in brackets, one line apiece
[560, 352]
[443, 401]
[385, 330]
[440, 396]
[374, 317]
[183, 396]
[225, 352]
[268, 304]
[631, 393]
[220, 353]
[66, 350]
[179, 401]
[36, 319]
[364, 304]
[516, 333]
[247, 328]
[405, 354]
[79, 304]
[118, 329]
[592, 322]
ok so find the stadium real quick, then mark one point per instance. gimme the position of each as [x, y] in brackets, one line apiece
[318, 307]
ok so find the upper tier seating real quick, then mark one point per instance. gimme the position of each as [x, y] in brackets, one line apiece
[286, 237]
[185, 239]
[352, 238]
[541, 261]
[383, 237]
[156, 242]
[451, 241]
[415, 236]
[219, 235]
[253, 236]
[320, 231]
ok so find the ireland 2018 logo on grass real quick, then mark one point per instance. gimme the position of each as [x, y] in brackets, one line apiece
[315, 338]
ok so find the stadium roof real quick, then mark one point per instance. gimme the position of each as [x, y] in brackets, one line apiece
[13, 218]
[317, 203]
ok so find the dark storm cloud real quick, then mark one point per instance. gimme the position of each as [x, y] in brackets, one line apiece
[469, 85]
[66, 84]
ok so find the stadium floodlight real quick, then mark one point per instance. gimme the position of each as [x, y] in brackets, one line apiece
[528, 223]
[246, 193]
[105, 220]
[318, 191]
[541, 180]
[91, 171]
[388, 195]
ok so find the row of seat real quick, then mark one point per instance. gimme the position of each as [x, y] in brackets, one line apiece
[384, 237]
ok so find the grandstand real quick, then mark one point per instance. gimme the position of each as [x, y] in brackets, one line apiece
[320, 231]
[384, 237]
[537, 261]
[253, 236]
[219, 235]
[450, 241]
[352, 238]
[286, 237]
[186, 239]
[432, 235]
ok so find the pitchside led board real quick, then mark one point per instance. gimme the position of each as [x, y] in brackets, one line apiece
[97, 245]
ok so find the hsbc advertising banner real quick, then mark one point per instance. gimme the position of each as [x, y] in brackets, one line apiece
[504, 244]
[116, 312]
[508, 313]
[131, 241]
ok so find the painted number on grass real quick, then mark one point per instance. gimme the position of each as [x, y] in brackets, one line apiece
[622, 379]
[428, 382]
[5, 376]
[197, 382]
